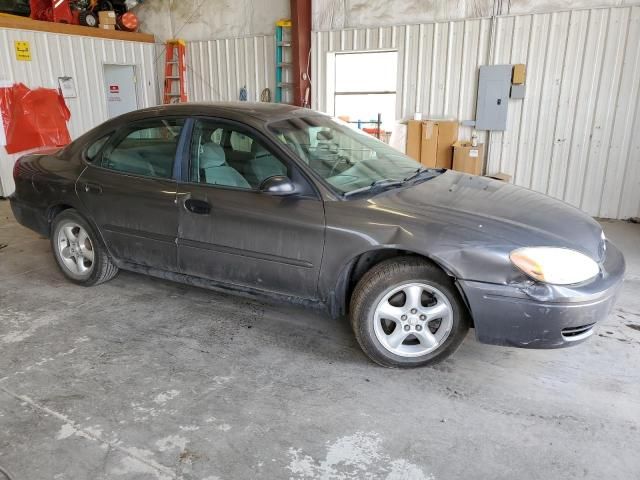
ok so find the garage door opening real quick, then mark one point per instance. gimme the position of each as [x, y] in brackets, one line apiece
[365, 88]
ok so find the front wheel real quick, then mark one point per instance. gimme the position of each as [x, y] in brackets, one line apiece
[79, 254]
[406, 312]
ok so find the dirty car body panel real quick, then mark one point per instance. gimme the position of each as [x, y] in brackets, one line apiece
[312, 245]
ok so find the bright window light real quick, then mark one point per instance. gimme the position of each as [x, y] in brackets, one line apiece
[365, 85]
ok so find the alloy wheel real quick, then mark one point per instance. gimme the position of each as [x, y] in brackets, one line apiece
[75, 249]
[413, 319]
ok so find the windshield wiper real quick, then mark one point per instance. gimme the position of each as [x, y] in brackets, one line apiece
[377, 185]
[416, 174]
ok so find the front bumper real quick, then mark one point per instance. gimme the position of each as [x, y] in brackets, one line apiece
[536, 315]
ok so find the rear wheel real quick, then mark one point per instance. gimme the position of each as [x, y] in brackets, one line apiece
[406, 312]
[78, 252]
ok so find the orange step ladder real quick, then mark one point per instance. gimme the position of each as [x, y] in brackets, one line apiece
[175, 72]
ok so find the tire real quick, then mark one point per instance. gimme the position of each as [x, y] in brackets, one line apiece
[88, 19]
[78, 251]
[406, 312]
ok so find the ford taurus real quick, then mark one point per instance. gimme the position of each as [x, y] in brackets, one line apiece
[287, 203]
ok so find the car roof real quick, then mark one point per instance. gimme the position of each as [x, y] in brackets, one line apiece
[255, 114]
[261, 111]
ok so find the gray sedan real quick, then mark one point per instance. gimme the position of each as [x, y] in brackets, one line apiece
[287, 203]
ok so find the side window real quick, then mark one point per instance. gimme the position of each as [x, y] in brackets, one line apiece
[95, 147]
[148, 148]
[235, 160]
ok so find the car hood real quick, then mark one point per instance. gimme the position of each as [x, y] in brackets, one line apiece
[497, 209]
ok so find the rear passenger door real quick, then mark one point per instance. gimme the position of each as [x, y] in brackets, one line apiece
[129, 190]
[233, 233]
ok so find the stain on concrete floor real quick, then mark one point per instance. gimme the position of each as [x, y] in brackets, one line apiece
[145, 379]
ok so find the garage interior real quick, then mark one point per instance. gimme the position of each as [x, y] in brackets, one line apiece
[142, 378]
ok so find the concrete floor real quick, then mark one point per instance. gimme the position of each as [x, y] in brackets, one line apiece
[146, 379]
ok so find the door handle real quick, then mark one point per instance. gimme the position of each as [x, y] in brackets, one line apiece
[92, 188]
[199, 207]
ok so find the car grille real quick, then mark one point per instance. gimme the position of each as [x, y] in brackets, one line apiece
[577, 333]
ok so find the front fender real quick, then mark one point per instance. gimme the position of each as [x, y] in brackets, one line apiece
[463, 252]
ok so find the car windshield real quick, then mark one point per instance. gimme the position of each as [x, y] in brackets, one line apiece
[348, 159]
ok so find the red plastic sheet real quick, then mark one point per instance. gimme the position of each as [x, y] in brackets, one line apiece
[33, 118]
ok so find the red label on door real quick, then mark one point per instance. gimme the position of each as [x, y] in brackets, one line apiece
[114, 88]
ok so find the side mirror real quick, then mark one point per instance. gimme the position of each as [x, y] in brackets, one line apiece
[278, 185]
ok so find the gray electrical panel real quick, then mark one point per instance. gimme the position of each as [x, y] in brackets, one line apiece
[494, 87]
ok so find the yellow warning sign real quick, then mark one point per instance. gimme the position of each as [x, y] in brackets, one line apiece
[23, 51]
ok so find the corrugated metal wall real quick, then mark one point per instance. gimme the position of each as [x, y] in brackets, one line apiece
[218, 69]
[572, 137]
[56, 55]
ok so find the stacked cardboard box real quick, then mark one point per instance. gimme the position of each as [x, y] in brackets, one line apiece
[467, 158]
[107, 20]
[431, 142]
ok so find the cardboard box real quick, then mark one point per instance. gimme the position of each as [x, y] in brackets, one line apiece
[414, 134]
[519, 74]
[107, 27]
[438, 137]
[468, 159]
[430, 142]
[107, 17]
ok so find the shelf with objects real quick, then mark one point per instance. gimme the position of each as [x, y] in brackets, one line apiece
[103, 19]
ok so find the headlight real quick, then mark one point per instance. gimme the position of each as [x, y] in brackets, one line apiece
[559, 266]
